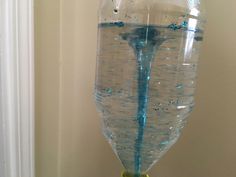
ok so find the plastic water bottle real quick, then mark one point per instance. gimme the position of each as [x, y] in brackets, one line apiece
[146, 75]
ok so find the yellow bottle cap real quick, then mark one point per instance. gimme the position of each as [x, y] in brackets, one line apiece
[126, 174]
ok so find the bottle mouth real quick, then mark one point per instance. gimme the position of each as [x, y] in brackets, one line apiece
[127, 174]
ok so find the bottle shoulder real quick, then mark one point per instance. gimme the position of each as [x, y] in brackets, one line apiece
[156, 13]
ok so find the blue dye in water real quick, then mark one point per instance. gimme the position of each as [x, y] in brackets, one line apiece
[144, 41]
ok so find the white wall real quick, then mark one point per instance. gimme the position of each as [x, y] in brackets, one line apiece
[68, 138]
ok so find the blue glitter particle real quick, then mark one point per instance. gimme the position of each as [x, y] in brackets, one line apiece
[109, 90]
[119, 24]
[179, 86]
[184, 24]
[174, 26]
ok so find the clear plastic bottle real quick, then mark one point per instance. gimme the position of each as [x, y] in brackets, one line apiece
[147, 60]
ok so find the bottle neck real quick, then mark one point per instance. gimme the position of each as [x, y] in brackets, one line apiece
[127, 174]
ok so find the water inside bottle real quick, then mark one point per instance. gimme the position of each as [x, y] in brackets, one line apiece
[144, 88]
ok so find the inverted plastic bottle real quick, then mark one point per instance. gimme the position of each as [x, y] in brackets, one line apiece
[147, 60]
